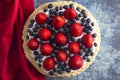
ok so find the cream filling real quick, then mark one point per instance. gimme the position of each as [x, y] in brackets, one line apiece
[78, 21]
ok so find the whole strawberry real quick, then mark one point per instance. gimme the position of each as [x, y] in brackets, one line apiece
[33, 44]
[61, 56]
[76, 29]
[58, 22]
[87, 40]
[41, 18]
[75, 62]
[48, 63]
[60, 39]
[74, 47]
[70, 13]
[46, 49]
[44, 34]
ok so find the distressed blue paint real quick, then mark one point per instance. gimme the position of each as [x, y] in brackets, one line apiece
[107, 64]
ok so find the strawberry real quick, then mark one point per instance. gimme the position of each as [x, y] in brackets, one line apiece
[60, 39]
[33, 44]
[70, 13]
[61, 56]
[58, 22]
[75, 62]
[48, 63]
[74, 47]
[41, 18]
[46, 49]
[87, 40]
[44, 34]
[75, 29]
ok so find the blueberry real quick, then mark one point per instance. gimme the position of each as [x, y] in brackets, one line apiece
[39, 56]
[68, 70]
[92, 24]
[41, 42]
[42, 25]
[77, 18]
[90, 28]
[83, 24]
[84, 57]
[59, 66]
[36, 58]
[88, 59]
[65, 49]
[61, 7]
[66, 29]
[69, 55]
[39, 65]
[91, 53]
[45, 10]
[32, 21]
[60, 71]
[79, 40]
[83, 19]
[55, 51]
[86, 49]
[79, 15]
[51, 28]
[77, 8]
[61, 13]
[83, 47]
[56, 13]
[55, 69]
[51, 73]
[72, 20]
[35, 30]
[35, 35]
[35, 52]
[90, 50]
[83, 11]
[85, 16]
[57, 8]
[94, 35]
[80, 53]
[52, 15]
[65, 64]
[65, 6]
[27, 37]
[56, 62]
[73, 39]
[40, 60]
[86, 30]
[30, 26]
[87, 54]
[51, 11]
[68, 23]
[88, 20]
[53, 44]
[50, 6]
[95, 44]
[31, 34]
[71, 6]
[52, 55]
[49, 20]
[61, 30]
[37, 26]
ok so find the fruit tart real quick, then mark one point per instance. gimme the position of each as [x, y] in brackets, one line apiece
[61, 39]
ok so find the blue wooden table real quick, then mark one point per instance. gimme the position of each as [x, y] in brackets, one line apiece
[107, 64]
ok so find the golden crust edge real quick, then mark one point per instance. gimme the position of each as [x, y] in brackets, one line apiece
[27, 51]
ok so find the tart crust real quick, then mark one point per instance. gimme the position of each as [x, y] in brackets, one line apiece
[28, 53]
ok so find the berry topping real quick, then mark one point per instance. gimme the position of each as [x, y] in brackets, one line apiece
[60, 39]
[41, 18]
[33, 44]
[58, 22]
[75, 62]
[87, 40]
[75, 29]
[74, 47]
[61, 56]
[70, 13]
[44, 34]
[46, 49]
[48, 63]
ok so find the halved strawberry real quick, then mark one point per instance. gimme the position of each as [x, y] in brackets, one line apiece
[75, 62]
[48, 63]
[87, 40]
[58, 22]
[61, 56]
[44, 34]
[46, 49]
[60, 39]
[76, 29]
[70, 13]
[33, 44]
[41, 18]
[74, 47]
